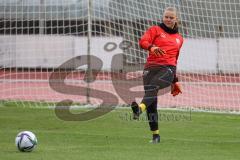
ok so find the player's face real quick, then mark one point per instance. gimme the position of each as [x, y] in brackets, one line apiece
[169, 18]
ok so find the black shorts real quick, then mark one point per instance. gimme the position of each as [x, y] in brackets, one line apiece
[158, 77]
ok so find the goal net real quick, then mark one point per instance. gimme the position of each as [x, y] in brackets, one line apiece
[87, 51]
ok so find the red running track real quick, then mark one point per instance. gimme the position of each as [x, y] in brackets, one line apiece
[215, 92]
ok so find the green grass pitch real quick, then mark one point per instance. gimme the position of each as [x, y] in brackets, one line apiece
[205, 136]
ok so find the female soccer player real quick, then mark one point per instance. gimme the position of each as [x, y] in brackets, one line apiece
[163, 43]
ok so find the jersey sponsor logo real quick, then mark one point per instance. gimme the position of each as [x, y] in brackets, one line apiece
[163, 35]
[178, 41]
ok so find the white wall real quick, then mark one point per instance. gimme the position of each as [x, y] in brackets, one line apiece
[7, 51]
[210, 55]
[229, 55]
[97, 49]
[52, 51]
[197, 55]
[43, 51]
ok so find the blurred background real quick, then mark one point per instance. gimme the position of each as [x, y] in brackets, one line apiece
[38, 36]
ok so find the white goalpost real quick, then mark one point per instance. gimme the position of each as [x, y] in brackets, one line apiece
[87, 51]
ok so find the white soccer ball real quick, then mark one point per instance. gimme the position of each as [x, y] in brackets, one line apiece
[26, 141]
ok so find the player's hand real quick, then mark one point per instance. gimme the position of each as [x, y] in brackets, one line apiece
[176, 89]
[157, 51]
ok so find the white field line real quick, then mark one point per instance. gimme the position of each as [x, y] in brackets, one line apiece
[109, 81]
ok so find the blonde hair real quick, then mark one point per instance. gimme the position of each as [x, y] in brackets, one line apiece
[173, 9]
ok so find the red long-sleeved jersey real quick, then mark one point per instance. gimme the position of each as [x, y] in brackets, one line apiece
[171, 43]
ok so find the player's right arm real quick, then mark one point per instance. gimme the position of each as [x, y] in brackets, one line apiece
[147, 41]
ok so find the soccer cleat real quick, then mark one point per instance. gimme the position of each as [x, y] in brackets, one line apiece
[136, 110]
[155, 139]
